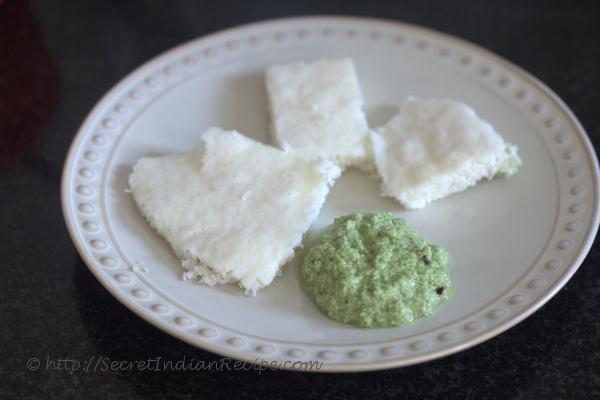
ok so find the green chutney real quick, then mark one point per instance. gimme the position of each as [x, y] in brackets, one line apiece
[373, 271]
[512, 163]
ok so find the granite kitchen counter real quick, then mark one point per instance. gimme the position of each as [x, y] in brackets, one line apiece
[57, 58]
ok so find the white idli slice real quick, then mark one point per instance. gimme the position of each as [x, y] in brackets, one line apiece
[234, 209]
[316, 109]
[434, 148]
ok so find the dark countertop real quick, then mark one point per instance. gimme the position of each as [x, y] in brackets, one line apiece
[57, 58]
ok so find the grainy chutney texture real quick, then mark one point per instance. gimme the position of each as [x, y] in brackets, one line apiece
[372, 270]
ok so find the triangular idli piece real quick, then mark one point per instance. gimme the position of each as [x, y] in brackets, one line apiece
[316, 109]
[434, 148]
[233, 210]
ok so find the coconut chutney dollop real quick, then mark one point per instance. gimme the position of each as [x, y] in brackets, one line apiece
[374, 271]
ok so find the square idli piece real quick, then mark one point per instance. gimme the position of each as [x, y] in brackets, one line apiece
[434, 148]
[316, 109]
[233, 209]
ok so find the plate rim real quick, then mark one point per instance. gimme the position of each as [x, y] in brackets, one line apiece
[94, 114]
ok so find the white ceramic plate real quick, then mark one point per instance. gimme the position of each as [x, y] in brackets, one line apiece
[514, 242]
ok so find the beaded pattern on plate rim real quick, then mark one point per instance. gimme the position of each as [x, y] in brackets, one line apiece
[92, 151]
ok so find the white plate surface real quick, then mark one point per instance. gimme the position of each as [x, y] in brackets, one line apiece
[514, 242]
